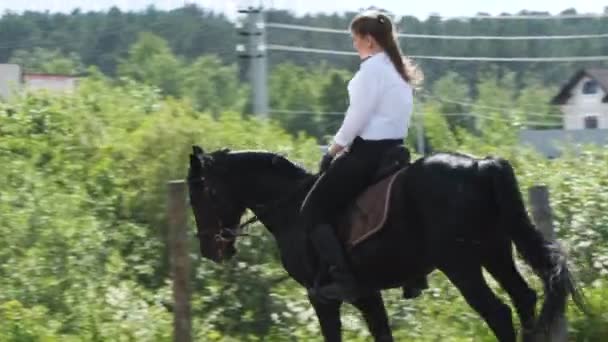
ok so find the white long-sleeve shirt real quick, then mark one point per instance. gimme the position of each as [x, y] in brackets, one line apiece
[381, 103]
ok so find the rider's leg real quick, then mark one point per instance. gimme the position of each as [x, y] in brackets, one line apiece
[346, 177]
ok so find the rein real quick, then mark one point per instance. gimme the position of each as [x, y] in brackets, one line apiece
[276, 205]
[228, 235]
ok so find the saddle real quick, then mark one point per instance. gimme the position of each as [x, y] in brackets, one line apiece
[367, 214]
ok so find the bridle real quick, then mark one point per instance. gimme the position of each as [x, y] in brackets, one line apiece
[226, 234]
[229, 234]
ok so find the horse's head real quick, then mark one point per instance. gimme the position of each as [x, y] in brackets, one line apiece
[217, 211]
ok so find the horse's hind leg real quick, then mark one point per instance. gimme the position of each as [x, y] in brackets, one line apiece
[414, 287]
[468, 278]
[501, 265]
[374, 312]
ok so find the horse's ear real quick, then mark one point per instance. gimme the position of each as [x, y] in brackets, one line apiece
[197, 150]
[279, 158]
[196, 166]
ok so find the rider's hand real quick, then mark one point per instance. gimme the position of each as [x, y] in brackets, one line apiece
[325, 162]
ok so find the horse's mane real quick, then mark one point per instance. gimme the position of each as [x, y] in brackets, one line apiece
[259, 161]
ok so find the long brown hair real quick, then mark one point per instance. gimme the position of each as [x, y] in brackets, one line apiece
[381, 28]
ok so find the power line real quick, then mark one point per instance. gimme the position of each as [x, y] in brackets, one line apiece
[515, 59]
[501, 109]
[428, 95]
[278, 47]
[305, 28]
[512, 121]
[440, 99]
[433, 36]
[524, 17]
[554, 37]
[472, 114]
[472, 104]
[303, 112]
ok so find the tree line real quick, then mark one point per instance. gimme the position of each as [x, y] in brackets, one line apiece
[103, 38]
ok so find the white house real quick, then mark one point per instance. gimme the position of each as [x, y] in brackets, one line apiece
[50, 82]
[584, 100]
[10, 80]
[13, 79]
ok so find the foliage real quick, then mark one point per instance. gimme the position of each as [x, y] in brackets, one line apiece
[308, 101]
[82, 207]
[213, 86]
[210, 85]
[150, 60]
[41, 60]
[103, 39]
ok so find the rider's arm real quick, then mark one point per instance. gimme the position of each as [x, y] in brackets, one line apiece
[363, 91]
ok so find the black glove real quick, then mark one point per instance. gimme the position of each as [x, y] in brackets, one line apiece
[325, 163]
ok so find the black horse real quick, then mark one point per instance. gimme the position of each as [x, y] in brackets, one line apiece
[450, 212]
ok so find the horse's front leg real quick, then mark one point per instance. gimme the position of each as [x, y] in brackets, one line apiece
[374, 312]
[328, 313]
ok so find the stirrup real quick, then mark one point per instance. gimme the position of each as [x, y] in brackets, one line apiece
[339, 291]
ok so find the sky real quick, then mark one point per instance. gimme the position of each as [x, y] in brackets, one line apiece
[417, 8]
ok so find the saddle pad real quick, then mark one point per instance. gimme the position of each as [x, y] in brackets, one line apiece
[368, 214]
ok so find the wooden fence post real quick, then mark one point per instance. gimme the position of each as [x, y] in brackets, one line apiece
[179, 261]
[543, 218]
[541, 210]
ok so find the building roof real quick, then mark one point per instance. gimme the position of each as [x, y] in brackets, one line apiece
[600, 75]
[47, 76]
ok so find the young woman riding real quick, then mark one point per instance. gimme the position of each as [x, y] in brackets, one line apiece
[377, 119]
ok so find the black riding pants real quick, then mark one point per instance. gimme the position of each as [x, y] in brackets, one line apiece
[347, 177]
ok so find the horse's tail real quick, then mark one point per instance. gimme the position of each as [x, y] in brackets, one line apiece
[545, 257]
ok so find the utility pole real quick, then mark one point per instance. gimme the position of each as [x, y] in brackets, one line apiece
[420, 134]
[253, 30]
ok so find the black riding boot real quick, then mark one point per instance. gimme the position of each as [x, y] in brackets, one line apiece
[330, 252]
